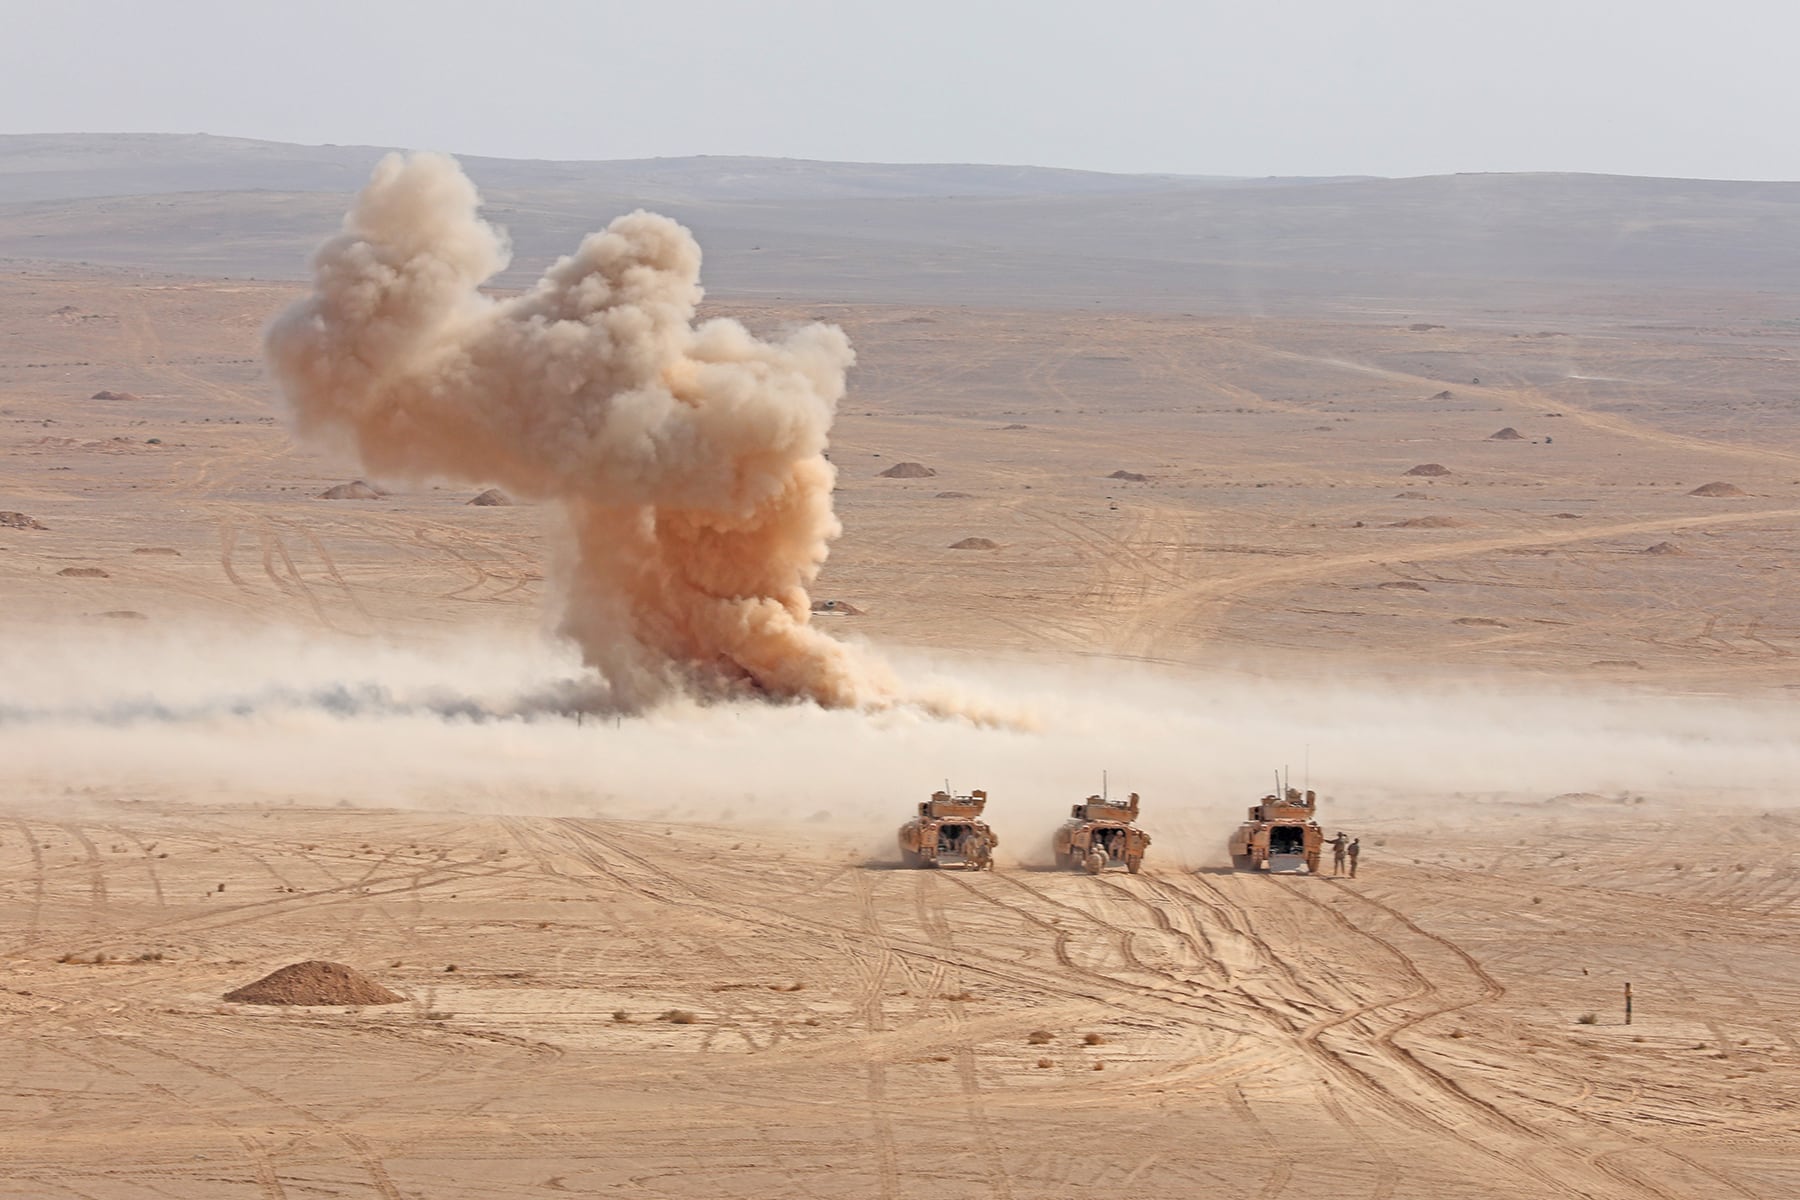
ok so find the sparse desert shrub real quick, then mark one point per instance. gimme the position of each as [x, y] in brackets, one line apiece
[1093, 1039]
[962, 995]
[810, 1021]
[438, 1016]
[621, 1016]
[1040, 1037]
[1588, 1019]
[451, 967]
[1044, 1062]
[1099, 1066]
[679, 1016]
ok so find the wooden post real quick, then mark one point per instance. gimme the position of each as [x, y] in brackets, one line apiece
[1628, 1004]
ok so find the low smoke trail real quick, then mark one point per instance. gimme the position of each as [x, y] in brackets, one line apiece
[688, 457]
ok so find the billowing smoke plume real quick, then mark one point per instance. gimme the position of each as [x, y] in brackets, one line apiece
[689, 458]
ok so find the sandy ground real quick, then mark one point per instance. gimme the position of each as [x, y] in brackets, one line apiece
[1594, 789]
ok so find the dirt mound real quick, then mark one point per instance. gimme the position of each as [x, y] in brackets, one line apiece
[975, 543]
[84, 573]
[1129, 477]
[1403, 585]
[356, 489]
[1509, 434]
[314, 982]
[1663, 548]
[17, 520]
[1425, 523]
[1718, 488]
[842, 608]
[165, 550]
[908, 470]
[492, 498]
[1429, 469]
[1484, 622]
[952, 496]
[104, 395]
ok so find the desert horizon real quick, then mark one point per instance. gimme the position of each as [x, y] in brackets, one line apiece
[1469, 503]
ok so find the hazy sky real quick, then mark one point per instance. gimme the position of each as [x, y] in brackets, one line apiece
[1290, 87]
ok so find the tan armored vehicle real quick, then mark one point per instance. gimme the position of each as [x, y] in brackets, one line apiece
[949, 830]
[1281, 835]
[1100, 833]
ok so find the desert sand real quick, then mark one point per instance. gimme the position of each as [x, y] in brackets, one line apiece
[244, 726]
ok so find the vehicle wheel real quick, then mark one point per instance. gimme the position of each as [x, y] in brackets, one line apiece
[1095, 862]
[910, 858]
[1243, 862]
[1134, 865]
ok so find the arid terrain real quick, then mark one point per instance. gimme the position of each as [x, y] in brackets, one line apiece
[1550, 687]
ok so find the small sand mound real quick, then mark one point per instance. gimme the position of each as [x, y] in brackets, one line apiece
[1403, 585]
[16, 520]
[354, 490]
[492, 498]
[84, 573]
[1484, 622]
[104, 395]
[314, 982]
[908, 470]
[1010, 428]
[1509, 434]
[1429, 469]
[169, 551]
[1718, 488]
[124, 614]
[1412, 496]
[951, 496]
[1663, 548]
[841, 608]
[1445, 395]
[1129, 477]
[1565, 516]
[1425, 523]
[975, 543]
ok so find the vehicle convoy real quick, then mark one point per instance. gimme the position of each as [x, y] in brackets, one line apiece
[949, 830]
[1281, 835]
[1100, 833]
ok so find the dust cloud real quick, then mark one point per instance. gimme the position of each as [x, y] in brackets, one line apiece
[688, 458]
[267, 717]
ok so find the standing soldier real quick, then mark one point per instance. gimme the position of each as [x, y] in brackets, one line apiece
[1355, 852]
[1338, 844]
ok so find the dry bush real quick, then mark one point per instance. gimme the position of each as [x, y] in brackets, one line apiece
[621, 1016]
[1099, 1066]
[438, 1016]
[1044, 1062]
[679, 1016]
[1093, 1039]
[1588, 1019]
[451, 967]
[1040, 1037]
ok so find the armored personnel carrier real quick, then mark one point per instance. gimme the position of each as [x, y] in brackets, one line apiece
[1099, 833]
[949, 831]
[1280, 835]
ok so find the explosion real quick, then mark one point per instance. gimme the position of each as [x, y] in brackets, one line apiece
[689, 458]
